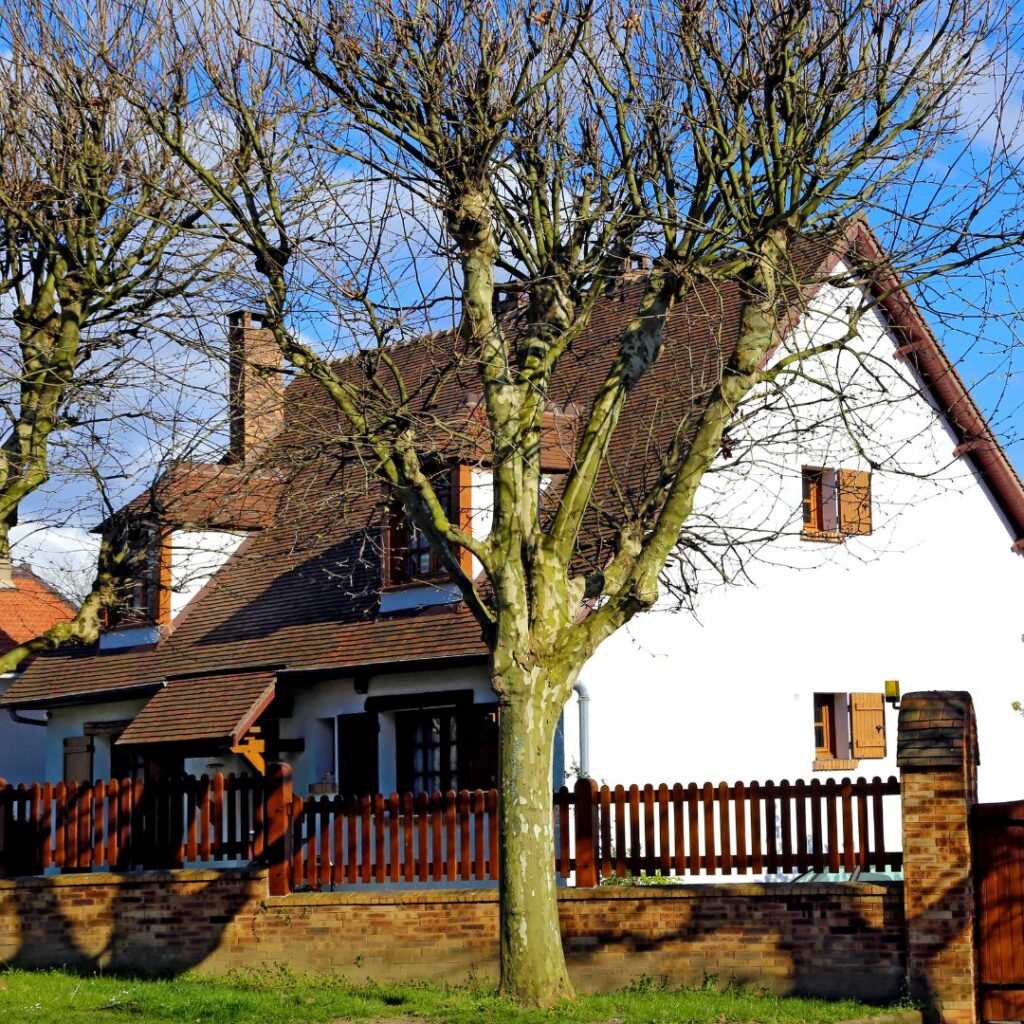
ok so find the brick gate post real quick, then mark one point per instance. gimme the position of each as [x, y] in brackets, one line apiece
[937, 754]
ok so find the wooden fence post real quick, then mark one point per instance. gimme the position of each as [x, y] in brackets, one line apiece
[278, 826]
[585, 793]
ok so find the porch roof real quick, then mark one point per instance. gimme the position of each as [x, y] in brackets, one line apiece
[203, 707]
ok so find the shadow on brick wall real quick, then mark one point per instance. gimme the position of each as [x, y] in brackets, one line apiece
[136, 924]
[820, 941]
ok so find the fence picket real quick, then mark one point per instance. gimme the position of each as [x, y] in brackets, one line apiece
[409, 835]
[833, 831]
[724, 831]
[740, 798]
[708, 801]
[621, 850]
[846, 795]
[786, 825]
[493, 827]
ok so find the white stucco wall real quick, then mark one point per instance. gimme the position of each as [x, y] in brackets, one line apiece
[22, 747]
[70, 721]
[317, 705]
[195, 556]
[929, 598]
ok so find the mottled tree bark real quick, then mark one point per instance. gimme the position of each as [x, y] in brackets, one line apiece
[533, 967]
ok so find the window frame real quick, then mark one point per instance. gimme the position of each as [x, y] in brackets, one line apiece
[412, 779]
[825, 719]
[455, 495]
[824, 500]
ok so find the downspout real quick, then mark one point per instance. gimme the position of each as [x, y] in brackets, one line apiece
[21, 720]
[584, 701]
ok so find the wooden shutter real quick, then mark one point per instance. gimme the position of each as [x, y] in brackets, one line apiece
[78, 752]
[357, 753]
[812, 500]
[478, 746]
[867, 724]
[854, 501]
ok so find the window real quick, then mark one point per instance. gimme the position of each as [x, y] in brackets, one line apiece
[410, 556]
[428, 750]
[825, 726]
[848, 728]
[145, 591]
[836, 503]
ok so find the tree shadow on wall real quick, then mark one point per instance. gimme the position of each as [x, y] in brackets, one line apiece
[816, 943]
[137, 924]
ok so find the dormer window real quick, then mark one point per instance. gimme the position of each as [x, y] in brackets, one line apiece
[410, 558]
[146, 590]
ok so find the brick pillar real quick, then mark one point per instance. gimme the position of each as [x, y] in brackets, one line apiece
[937, 753]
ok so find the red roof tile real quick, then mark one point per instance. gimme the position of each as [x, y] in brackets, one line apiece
[29, 608]
[207, 707]
[195, 494]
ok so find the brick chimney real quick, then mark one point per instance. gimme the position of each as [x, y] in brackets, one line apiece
[6, 572]
[255, 385]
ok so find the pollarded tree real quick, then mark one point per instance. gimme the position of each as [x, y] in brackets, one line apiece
[92, 217]
[543, 146]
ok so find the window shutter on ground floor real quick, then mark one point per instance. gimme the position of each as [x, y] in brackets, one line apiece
[867, 724]
[78, 758]
[478, 739]
[357, 753]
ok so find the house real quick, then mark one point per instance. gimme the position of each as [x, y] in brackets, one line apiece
[28, 607]
[281, 607]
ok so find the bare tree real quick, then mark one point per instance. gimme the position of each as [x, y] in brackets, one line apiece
[95, 249]
[544, 147]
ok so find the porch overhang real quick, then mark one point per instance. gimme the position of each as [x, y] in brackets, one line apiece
[209, 706]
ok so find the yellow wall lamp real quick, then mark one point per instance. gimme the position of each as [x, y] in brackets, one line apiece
[892, 692]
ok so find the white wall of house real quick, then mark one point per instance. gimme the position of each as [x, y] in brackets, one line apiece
[22, 747]
[70, 721]
[930, 598]
[195, 556]
[317, 705]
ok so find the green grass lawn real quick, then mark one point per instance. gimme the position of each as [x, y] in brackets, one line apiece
[281, 998]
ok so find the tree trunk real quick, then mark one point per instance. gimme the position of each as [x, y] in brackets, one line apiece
[533, 967]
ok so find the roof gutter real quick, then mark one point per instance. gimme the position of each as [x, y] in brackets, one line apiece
[17, 716]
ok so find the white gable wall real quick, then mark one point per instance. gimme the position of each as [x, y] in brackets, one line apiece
[929, 598]
[195, 556]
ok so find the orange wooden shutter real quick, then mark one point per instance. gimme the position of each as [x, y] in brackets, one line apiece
[854, 501]
[867, 724]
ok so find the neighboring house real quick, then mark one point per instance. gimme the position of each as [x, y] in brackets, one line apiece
[283, 609]
[28, 606]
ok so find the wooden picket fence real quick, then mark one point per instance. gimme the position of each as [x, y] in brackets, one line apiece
[321, 842]
[756, 829]
[126, 823]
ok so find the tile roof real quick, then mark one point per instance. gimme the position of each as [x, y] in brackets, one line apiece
[28, 608]
[205, 707]
[304, 592]
[210, 496]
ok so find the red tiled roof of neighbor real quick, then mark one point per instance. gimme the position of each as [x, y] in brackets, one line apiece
[205, 707]
[29, 608]
[304, 592]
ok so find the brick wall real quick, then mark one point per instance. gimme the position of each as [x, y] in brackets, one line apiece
[843, 939]
[938, 756]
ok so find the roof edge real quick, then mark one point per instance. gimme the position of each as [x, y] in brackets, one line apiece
[82, 697]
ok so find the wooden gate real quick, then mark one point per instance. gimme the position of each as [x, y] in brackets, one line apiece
[998, 840]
